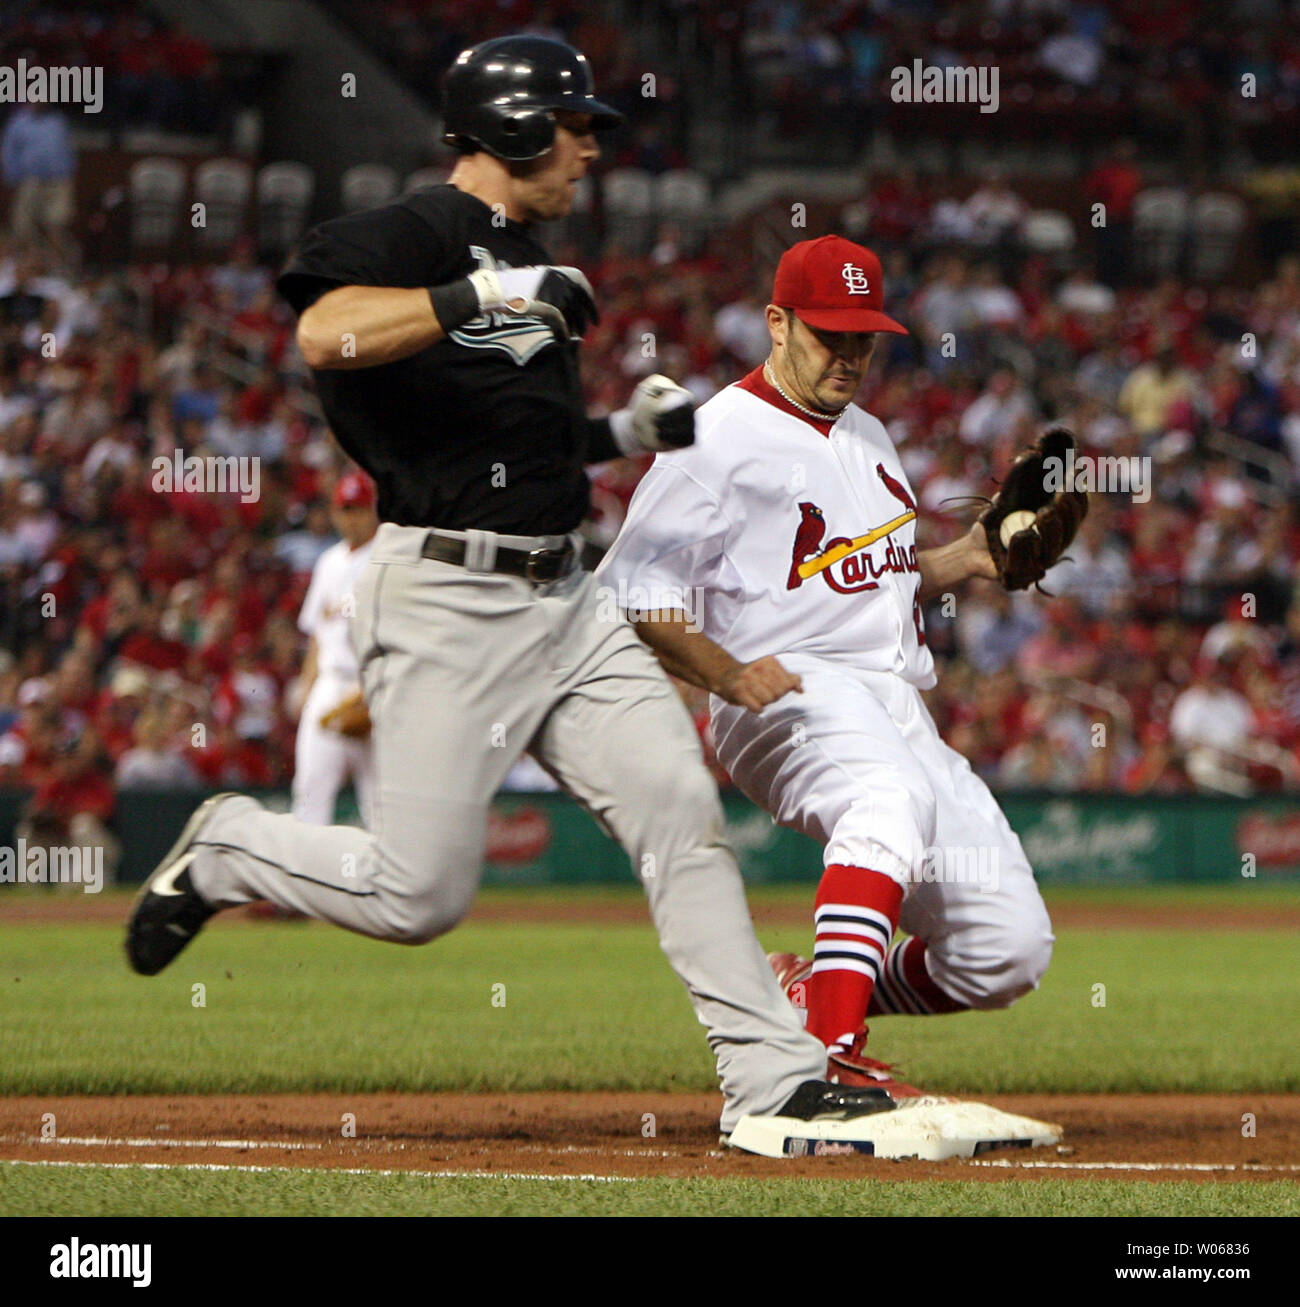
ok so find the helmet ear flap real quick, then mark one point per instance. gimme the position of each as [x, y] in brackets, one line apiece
[525, 134]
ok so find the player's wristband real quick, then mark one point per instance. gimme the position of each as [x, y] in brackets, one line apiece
[623, 433]
[454, 304]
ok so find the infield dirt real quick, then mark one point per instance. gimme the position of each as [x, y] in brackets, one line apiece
[602, 1134]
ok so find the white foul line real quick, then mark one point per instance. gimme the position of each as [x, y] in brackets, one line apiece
[95, 1141]
[325, 1170]
[1133, 1166]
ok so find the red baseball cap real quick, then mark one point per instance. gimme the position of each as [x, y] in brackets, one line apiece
[833, 285]
[354, 490]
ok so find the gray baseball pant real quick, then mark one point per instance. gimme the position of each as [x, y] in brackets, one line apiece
[462, 670]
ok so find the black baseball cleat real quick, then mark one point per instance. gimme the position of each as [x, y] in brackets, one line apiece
[168, 911]
[821, 1100]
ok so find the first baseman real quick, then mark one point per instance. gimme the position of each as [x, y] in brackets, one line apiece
[788, 532]
[444, 346]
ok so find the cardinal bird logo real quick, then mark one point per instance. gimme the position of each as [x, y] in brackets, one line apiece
[896, 489]
[844, 562]
[807, 540]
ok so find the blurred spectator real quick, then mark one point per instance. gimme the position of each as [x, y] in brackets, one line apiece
[993, 626]
[1222, 549]
[995, 212]
[301, 548]
[1152, 390]
[741, 327]
[239, 282]
[1082, 293]
[1115, 184]
[1003, 408]
[40, 164]
[1073, 55]
[942, 310]
[1095, 569]
[995, 304]
[150, 764]
[1210, 711]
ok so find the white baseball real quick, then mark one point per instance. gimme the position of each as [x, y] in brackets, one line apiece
[1014, 522]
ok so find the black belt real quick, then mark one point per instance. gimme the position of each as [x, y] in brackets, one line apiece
[537, 565]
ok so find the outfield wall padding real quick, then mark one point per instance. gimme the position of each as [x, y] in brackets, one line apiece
[542, 839]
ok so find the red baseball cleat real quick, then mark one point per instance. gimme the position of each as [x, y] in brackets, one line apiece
[854, 1069]
[791, 970]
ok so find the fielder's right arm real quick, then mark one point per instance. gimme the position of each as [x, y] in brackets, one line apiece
[691, 656]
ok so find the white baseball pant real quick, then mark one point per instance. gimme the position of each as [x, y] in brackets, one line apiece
[856, 763]
[323, 759]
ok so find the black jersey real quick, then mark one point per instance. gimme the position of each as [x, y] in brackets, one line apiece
[487, 427]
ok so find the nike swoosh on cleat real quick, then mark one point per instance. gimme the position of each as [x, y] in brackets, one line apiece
[165, 883]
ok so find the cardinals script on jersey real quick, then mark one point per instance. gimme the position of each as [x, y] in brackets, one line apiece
[804, 543]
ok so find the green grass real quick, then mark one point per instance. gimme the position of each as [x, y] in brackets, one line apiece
[98, 1191]
[594, 1006]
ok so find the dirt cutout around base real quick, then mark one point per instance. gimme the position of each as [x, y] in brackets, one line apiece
[1177, 1136]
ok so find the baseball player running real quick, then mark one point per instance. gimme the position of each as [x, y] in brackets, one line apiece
[787, 531]
[332, 742]
[444, 348]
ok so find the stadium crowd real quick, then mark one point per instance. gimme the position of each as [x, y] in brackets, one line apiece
[155, 75]
[151, 635]
[148, 631]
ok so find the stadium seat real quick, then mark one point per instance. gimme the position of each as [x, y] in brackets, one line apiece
[629, 206]
[284, 195]
[223, 186]
[367, 186]
[157, 189]
[1217, 222]
[682, 196]
[1159, 228]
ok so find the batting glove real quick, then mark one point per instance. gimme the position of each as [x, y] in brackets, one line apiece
[561, 297]
[660, 416]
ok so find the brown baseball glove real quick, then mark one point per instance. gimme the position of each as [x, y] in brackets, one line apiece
[1033, 517]
[348, 718]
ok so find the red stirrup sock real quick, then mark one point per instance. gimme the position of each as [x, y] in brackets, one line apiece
[904, 985]
[855, 915]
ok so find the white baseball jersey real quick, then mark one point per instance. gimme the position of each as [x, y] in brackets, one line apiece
[326, 611]
[777, 539]
[323, 759]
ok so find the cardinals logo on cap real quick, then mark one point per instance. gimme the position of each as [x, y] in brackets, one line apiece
[855, 279]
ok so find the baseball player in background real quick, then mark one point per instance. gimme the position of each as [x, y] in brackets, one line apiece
[444, 346]
[788, 533]
[333, 728]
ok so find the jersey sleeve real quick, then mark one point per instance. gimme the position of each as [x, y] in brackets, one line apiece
[672, 542]
[391, 246]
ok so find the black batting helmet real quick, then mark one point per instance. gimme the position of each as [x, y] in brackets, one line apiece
[500, 95]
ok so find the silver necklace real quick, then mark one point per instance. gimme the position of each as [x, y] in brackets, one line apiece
[812, 412]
